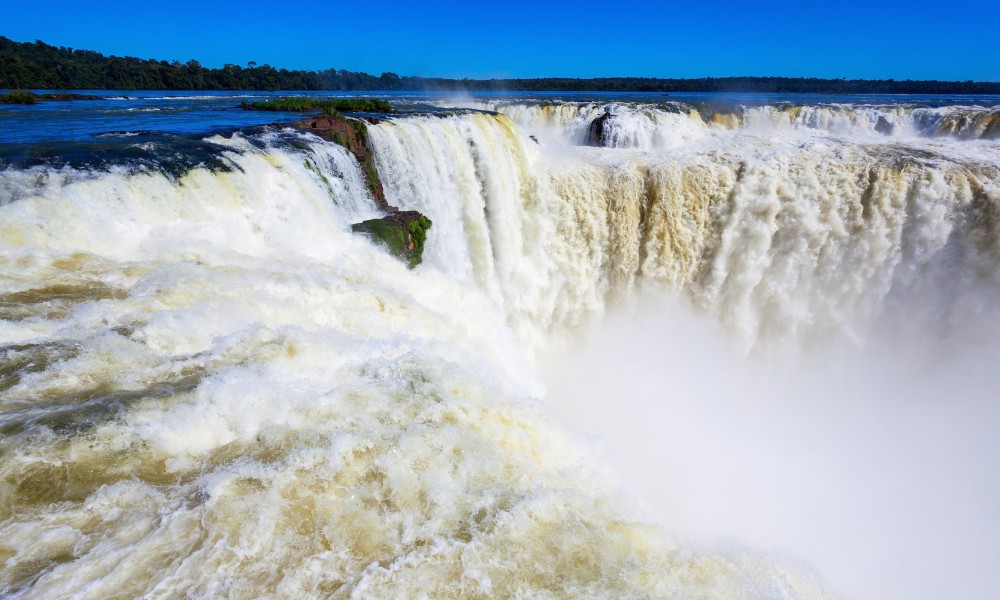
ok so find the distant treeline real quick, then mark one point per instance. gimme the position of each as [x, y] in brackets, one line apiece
[26, 65]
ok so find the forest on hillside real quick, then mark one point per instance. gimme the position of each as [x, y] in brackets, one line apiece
[37, 65]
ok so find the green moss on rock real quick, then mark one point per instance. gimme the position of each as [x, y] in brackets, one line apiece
[23, 97]
[329, 107]
[18, 97]
[403, 233]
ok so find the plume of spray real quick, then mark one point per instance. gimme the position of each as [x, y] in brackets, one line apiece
[874, 465]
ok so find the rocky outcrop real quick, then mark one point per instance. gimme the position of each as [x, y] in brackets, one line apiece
[403, 233]
[352, 135]
[883, 126]
[596, 133]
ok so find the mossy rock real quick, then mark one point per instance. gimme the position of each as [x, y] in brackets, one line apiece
[18, 97]
[23, 97]
[402, 233]
[329, 107]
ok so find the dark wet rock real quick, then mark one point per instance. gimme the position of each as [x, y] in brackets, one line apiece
[402, 233]
[883, 126]
[597, 132]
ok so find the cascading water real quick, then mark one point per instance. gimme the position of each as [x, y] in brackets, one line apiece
[210, 387]
[672, 124]
[783, 239]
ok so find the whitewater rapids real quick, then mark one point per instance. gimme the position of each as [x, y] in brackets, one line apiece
[211, 388]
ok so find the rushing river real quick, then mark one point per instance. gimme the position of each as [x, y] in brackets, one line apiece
[660, 347]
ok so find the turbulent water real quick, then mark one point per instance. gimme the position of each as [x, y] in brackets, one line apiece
[210, 388]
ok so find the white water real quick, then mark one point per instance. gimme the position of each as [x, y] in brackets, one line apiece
[673, 124]
[212, 388]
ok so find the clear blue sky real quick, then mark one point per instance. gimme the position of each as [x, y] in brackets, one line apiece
[956, 39]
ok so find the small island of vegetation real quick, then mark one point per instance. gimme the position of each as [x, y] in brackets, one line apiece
[23, 97]
[329, 107]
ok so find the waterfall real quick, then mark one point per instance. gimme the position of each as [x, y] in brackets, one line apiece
[781, 241]
[210, 387]
[673, 124]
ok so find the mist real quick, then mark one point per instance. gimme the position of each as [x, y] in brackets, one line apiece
[873, 467]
